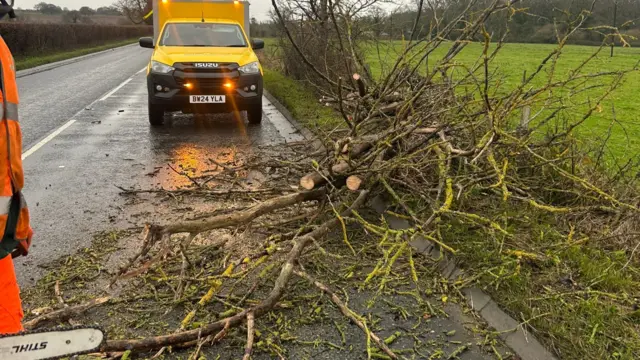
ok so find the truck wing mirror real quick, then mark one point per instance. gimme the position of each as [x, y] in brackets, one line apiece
[257, 44]
[147, 42]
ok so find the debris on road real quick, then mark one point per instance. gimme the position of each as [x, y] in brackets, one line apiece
[230, 257]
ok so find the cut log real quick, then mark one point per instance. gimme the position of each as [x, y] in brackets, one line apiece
[427, 131]
[348, 97]
[362, 89]
[355, 149]
[308, 182]
[390, 109]
[313, 180]
[396, 96]
[354, 183]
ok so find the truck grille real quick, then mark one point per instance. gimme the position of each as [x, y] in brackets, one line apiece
[190, 68]
[206, 78]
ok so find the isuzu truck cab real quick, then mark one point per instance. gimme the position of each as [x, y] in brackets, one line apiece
[203, 60]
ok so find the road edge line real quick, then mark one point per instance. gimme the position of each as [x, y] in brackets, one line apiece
[113, 91]
[44, 141]
[62, 128]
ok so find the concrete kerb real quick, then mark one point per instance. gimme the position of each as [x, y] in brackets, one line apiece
[317, 144]
[524, 344]
[57, 64]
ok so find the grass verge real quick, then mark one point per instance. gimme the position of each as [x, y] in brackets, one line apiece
[301, 101]
[577, 293]
[23, 63]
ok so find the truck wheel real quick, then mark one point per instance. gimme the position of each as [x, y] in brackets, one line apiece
[156, 115]
[254, 114]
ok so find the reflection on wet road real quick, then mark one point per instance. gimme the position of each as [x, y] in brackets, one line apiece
[72, 181]
[191, 146]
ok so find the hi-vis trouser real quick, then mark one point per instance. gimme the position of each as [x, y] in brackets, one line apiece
[15, 230]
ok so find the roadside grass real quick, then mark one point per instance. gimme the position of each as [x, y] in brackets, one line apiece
[28, 62]
[301, 101]
[578, 293]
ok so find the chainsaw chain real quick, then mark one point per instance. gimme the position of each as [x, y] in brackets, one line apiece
[63, 328]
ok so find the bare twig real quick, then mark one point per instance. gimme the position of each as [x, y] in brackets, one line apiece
[356, 319]
[250, 334]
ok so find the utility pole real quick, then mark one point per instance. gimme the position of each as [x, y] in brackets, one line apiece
[615, 23]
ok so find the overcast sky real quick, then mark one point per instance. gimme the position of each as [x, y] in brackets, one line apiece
[259, 8]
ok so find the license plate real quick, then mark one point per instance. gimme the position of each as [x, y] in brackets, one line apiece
[208, 99]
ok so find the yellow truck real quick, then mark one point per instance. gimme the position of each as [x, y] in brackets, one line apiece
[203, 59]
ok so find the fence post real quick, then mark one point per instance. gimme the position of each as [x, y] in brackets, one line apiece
[526, 112]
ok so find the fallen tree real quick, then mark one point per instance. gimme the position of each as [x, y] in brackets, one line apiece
[442, 141]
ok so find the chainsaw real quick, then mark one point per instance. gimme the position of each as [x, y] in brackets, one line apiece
[51, 343]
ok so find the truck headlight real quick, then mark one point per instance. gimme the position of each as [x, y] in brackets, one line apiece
[161, 68]
[250, 68]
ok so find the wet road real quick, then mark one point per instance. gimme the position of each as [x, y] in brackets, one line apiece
[92, 134]
[52, 97]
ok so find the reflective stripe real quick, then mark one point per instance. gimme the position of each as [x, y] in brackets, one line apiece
[5, 202]
[11, 113]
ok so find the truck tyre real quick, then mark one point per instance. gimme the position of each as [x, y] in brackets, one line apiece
[254, 114]
[156, 115]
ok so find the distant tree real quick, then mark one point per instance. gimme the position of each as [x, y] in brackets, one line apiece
[49, 9]
[72, 16]
[87, 11]
[264, 29]
[135, 10]
[108, 10]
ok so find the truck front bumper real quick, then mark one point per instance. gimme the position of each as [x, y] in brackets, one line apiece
[175, 93]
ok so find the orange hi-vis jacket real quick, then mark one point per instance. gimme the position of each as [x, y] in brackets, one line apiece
[15, 231]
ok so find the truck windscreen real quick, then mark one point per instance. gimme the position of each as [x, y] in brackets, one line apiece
[203, 35]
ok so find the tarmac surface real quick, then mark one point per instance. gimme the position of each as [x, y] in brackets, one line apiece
[86, 131]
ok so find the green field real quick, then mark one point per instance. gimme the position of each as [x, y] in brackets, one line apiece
[514, 59]
[622, 135]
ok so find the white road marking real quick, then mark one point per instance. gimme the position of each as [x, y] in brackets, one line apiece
[47, 139]
[116, 89]
[108, 95]
[62, 128]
